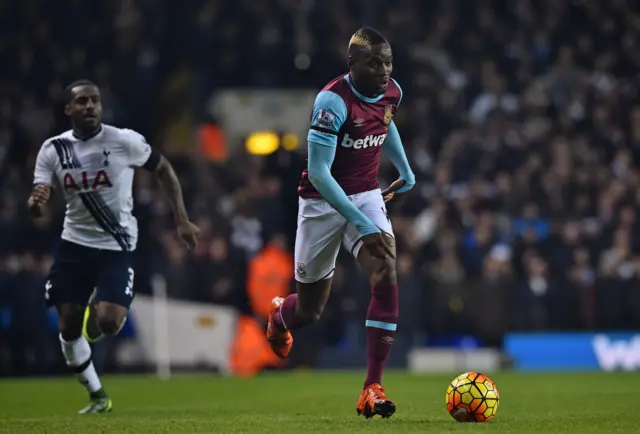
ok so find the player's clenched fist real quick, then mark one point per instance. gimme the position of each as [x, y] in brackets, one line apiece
[41, 193]
[189, 233]
[39, 196]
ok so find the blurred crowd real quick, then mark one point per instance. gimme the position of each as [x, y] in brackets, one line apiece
[521, 119]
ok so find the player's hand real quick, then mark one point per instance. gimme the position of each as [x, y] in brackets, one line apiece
[377, 246]
[390, 192]
[189, 233]
[40, 194]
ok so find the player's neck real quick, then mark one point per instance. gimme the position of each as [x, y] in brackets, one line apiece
[86, 135]
[360, 89]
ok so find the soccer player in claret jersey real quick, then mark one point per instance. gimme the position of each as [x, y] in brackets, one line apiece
[340, 202]
[91, 280]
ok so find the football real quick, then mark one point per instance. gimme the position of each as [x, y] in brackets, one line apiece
[472, 397]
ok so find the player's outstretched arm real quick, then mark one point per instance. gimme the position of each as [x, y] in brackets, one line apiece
[171, 185]
[394, 150]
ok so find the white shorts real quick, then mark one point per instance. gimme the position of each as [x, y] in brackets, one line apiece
[321, 230]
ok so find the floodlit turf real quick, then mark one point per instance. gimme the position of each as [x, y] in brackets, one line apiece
[305, 403]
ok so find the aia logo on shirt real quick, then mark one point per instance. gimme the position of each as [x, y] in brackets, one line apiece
[85, 182]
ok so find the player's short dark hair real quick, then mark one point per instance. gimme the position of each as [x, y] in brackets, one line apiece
[68, 91]
[367, 36]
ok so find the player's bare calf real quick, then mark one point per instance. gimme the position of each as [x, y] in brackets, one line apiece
[296, 311]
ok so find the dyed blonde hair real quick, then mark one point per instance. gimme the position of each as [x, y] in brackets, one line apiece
[366, 36]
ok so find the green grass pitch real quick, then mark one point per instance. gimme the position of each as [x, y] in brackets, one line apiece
[305, 403]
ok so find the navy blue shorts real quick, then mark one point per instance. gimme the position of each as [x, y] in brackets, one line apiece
[77, 270]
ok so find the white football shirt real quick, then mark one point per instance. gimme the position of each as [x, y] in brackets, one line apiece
[96, 178]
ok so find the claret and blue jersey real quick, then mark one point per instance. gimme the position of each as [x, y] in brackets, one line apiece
[357, 127]
[347, 134]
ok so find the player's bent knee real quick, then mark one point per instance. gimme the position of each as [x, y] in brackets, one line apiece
[109, 325]
[69, 332]
[110, 317]
[312, 298]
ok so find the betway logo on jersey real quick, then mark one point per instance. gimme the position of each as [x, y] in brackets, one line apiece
[367, 142]
[619, 354]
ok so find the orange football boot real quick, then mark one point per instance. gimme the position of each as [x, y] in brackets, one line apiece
[281, 342]
[373, 401]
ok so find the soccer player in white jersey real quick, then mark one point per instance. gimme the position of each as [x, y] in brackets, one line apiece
[91, 280]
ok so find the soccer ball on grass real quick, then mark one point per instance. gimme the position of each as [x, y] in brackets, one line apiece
[472, 397]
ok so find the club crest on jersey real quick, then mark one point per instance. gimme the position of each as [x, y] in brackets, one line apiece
[388, 115]
[301, 269]
[106, 157]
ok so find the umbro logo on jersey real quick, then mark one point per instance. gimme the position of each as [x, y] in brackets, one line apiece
[368, 142]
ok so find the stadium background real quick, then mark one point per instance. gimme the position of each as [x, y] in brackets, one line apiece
[521, 120]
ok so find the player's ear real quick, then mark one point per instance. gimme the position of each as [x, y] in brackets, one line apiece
[67, 109]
